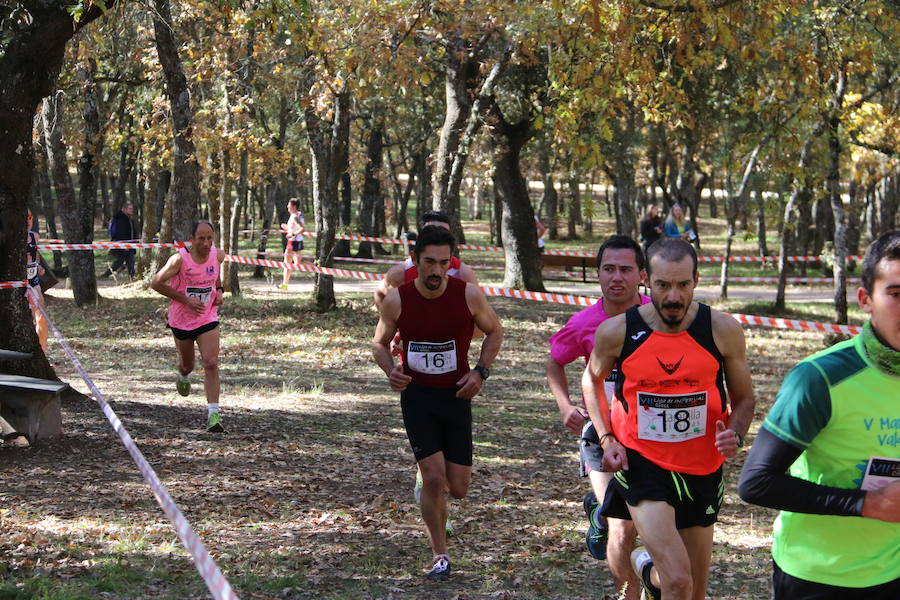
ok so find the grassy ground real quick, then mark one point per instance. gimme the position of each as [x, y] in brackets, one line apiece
[308, 495]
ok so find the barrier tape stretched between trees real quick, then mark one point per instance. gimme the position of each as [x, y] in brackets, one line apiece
[771, 322]
[505, 292]
[216, 582]
[576, 253]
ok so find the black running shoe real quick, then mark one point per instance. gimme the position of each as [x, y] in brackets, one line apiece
[595, 537]
[642, 563]
[440, 569]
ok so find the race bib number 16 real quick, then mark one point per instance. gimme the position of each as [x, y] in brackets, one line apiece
[671, 417]
[433, 358]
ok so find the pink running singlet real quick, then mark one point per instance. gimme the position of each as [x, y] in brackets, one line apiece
[195, 281]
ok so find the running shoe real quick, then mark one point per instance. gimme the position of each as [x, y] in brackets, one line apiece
[183, 385]
[642, 563]
[282, 287]
[597, 532]
[440, 569]
[214, 423]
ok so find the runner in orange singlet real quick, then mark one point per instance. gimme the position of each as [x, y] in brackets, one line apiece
[670, 427]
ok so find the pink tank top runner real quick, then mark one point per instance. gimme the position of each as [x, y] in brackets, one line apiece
[195, 281]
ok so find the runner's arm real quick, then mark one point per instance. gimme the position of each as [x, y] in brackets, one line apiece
[384, 333]
[608, 342]
[467, 274]
[220, 289]
[392, 279]
[729, 337]
[573, 416]
[765, 482]
[486, 320]
[160, 281]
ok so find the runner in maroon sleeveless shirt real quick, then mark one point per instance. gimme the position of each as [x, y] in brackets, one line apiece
[435, 315]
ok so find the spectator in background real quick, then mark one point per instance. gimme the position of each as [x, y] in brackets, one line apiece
[677, 227]
[541, 229]
[33, 272]
[651, 226]
[121, 228]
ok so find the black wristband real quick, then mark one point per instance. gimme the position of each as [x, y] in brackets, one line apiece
[219, 287]
[604, 436]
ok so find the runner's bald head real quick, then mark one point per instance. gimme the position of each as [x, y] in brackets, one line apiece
[671, 250]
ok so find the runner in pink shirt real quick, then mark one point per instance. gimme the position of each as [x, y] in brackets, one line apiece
[192, 280]
[620, 271]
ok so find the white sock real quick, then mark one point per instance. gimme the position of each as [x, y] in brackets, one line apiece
[212, 408]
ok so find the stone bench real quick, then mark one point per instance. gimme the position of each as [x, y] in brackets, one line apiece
[31, 405]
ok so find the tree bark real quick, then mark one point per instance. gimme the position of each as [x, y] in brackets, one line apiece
[523, 264]
[371, 193]
[80, 262]
[186, 169]
[328, 143]
[833, 186]
[550, 198]
[459, 84]
[792, 223]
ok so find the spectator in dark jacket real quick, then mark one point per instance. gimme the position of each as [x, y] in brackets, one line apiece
[121, 228]
[651, 226]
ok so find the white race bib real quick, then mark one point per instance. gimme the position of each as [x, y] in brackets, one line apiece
[31, 271]
[433, 358]
[200, 293]
[671, 417]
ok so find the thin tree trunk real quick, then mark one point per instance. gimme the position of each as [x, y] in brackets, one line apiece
[792, 225]
[186, 169]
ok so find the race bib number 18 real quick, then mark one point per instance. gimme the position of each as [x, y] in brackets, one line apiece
[433, 358]
[671, 417]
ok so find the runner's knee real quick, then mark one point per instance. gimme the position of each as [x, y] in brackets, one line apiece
[211, 363]
[458, 489]
[433, 479]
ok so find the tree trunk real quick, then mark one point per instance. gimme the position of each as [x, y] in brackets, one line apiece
[48, 202]
[574, 205]
[523, 263]
[549, 198]
[328, 143]
[80, 262]
[371, 192]
[833, 185]
[156, 192]
[84, 281]
[459, 83]
[186, 169]
[761, 244]
[29, 66]
[792, 224]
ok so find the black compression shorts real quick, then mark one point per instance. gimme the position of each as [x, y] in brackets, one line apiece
[192, 334]
[788, 587]
[296, 245]
[437, 421]
[695, 498]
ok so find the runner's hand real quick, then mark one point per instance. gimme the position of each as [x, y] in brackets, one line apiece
[573, 418]
[470, 385]
[883, 503]
[614, 458]
[219, 299]
[396, 347]
[726, 440]
[398, 379]
[195, 305]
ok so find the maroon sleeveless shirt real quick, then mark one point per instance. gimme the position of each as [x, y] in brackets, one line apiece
[436, 334]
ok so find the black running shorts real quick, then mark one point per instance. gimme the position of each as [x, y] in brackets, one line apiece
[788, 587]
[590, 454]
[192, 334]
[437, 421]
[296, 245]
[695, 498]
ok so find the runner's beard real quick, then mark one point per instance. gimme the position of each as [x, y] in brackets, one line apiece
[433, 282]
[670, 321]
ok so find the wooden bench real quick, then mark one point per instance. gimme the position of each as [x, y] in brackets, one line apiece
[556, 260]
[31, 405]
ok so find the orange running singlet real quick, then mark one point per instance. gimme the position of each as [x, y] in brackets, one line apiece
[670, 393]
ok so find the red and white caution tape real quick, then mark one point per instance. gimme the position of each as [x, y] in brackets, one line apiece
[111, 245]
[797, 325]
[775, 279]
[8, 285]
[206, 566]
[304, 267]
